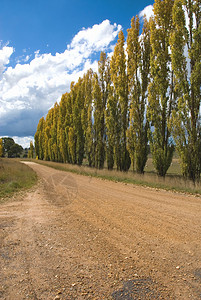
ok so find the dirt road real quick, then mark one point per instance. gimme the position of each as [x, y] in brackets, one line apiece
[76, 237]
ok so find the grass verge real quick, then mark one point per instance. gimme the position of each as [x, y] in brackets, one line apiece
[172, 182]
[14, 176]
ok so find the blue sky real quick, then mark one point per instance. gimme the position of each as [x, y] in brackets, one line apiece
[44, 45]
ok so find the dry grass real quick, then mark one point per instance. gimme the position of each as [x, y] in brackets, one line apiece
[173, 180]
[14, 176]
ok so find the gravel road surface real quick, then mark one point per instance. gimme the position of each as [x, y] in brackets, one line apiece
[77, 237]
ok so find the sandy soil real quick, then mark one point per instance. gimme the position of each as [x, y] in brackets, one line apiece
[76, 237]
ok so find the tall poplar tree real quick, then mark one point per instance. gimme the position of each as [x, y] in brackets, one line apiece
[101, 85]
[72, 144]
[78, 104]
[40, 139]
[54, 134]
[61, 129]
[87, 117]
[31, 153]
[119, 80]
[99, 110]
[48, 142]
[138, 49]
[186, 63]
[111, 126]
[104, 76]
[68, 124]
[160, 97]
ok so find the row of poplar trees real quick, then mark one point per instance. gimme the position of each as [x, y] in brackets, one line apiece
[148, 93]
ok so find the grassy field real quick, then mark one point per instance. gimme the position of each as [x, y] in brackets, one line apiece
[14, 176]
[173, 170]
[172, 181]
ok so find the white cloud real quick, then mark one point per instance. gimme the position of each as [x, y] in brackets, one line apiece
[23, 58]
[5, 54]
[23, 141]
[148, 11]
[98, 37]
[28, 90]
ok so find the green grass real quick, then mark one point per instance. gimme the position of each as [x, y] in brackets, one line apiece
[173, 180]
[14, 176]
[174, 168]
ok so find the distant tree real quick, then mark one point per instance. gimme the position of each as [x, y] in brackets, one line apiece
[15, 150]
[1, 147]
[7, 144]
[10, 148]
[30, 152]
[160, 91]
[186, 63]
